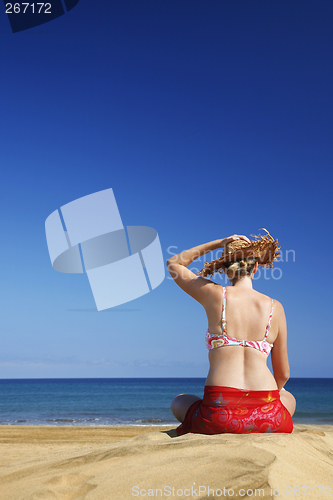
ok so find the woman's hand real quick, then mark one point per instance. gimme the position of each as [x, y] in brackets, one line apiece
[234, 237]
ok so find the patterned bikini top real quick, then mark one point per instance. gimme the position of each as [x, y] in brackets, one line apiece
[214, 340]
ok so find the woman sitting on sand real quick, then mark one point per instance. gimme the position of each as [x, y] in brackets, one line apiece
[241, 394]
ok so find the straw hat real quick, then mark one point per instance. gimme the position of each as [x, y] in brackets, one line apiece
[264, 249]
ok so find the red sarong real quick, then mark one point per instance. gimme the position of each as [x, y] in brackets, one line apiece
[226, 409]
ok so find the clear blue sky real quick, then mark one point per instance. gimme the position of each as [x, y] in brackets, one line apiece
[207, 119]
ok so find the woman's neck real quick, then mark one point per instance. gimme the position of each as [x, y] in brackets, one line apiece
[245, 282]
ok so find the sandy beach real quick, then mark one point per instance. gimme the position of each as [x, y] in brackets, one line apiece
[65, 463]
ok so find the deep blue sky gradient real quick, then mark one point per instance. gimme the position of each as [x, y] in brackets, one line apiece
[207, 119]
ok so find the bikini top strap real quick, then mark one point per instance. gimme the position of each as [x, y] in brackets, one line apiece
[224, 323]
[269, 321]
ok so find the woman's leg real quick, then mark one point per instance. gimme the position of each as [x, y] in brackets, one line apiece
[181, 403]
[288, 401]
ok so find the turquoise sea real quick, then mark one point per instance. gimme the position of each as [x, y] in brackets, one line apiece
[128, 401]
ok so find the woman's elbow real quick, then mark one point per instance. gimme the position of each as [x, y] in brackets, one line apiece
[172, 269]
[169, 265]
[284, 377]
[172, 261]
[285, 372]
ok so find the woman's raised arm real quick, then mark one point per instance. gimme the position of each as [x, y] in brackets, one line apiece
[188, 281]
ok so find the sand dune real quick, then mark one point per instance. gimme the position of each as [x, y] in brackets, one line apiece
[112, 463]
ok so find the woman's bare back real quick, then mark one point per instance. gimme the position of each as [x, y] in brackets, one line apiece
[247, 316]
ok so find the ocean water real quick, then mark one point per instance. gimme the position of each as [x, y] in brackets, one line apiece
[131, 401]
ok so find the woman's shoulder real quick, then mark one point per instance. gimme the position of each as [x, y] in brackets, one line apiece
[258, 295]
[265, 299]
[278, 310]
[268, 297]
